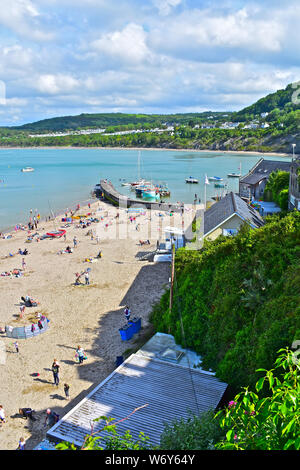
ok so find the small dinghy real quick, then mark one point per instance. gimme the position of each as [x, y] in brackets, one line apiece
[56, 233]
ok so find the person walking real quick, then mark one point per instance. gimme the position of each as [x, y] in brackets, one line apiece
[55, 371]
[16, 346]
[67, 391]
[87, 278]
[75, 242]
[127, 312]
[2, 415]
[22, 310]
[23, 264]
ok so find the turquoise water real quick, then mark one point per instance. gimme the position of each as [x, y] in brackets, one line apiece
[64, 177]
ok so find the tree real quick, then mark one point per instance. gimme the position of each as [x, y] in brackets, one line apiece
[266, 423]
[112, 441]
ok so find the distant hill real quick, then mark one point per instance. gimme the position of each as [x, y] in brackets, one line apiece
[278, 102]
[104, 120]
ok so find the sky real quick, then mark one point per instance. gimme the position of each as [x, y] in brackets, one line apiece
[67, 57]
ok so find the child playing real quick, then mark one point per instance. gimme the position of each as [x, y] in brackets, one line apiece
[67, 391]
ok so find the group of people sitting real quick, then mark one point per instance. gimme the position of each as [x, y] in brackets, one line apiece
[14, 272]
[23, 252]
[29, 302]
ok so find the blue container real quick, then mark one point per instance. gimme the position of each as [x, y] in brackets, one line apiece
[137, 322]
[127, 332]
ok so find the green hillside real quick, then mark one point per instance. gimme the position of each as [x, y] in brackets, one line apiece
[238, 298]
[200, 131]
[278, 103]
[104, 120]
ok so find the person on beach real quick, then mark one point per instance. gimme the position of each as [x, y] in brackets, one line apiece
[75, 242]
[23, 264]
[67, 391]
[27, 413]
[51, 417]
[2, 415]
[87, 278]
[80, 354]
[127, 313]
[16, 345]
[22, 310]
[22, 443]
[55, 371]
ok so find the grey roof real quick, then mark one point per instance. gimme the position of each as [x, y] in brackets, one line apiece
[228, 206]
[169, 390]
[262, 169]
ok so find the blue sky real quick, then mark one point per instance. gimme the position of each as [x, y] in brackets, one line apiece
[66, 57]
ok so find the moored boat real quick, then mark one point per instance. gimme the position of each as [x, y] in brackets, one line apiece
[215, 178]
[236, 175]
[27, 169]
[56, 233]
[191, 180]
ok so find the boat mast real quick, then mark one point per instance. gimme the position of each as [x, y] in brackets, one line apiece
[139, 166]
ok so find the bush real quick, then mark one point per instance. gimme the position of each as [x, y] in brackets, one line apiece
[196, 433]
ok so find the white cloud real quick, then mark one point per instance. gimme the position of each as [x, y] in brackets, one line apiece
[56, 84]
[165, 6]
[23, 18]
[127, 45]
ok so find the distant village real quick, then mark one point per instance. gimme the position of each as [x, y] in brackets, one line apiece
[170, 127]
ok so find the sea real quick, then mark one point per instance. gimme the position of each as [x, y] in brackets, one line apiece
[64, 177]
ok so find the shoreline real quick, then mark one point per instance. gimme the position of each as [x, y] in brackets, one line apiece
[239, 152]
[58, 213]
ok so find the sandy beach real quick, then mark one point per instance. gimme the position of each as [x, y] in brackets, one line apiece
[85, 315]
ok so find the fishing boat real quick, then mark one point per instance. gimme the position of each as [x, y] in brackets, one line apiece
[27, 169]
[191, 180]
[215, 178]
[163, 190]
[150, 191]
[236, 175]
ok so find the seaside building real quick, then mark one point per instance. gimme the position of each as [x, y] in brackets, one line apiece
[252, 185]
[294, 185]
[161, 375]
[226, 216]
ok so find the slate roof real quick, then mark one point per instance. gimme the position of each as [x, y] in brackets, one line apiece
[228, 206]
[169, 390]
[262, 169]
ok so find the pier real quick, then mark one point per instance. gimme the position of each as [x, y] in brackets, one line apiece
[116, 198]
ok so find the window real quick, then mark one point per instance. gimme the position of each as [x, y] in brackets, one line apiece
[229, 231]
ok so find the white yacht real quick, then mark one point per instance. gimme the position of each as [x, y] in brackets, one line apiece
[27, 168]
